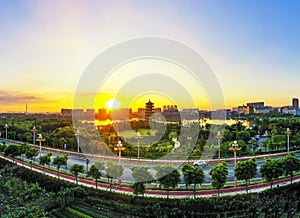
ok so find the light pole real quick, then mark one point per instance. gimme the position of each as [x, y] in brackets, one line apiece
[119, 148]
[235, 147]
[138, 137]
[288, 133]
[188, 147]
[34, 130]
[40, 139]
[219, 137]
[6, 126]
[77, 134]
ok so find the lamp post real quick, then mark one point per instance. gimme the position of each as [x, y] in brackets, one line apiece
[288, 133]
[34, 130]
[77, 134]
[6, 126]
[40, 139]
[235, 147]
[138, 137]
[188, 147]
[119, 148]
[219, 137]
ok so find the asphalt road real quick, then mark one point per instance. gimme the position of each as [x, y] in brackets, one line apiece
[157, 193]
[130, 163]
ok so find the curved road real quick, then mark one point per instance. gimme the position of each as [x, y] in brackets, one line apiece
[79, 158]
[154, 193]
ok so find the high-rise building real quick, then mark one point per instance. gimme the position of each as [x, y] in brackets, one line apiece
[66, 112]
[149, 110]
[256, 104]
[295, 103]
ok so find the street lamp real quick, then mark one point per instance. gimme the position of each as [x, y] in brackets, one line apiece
[235, 147]
[34, 130]
[288, 133]
[188, 147]
[6, 126]
[40, 139]
[77, 134]
[119, 148]
[138, 137]
[219, 137]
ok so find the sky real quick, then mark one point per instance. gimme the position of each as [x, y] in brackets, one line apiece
[253, 48]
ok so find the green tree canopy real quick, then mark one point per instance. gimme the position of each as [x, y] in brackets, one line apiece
[13, 150]
[60, 161]
[45, 159]
[113, 171]
[290, 164]
[141, 175]
[245, 170]
[31, 153]
[167, 176]
[193, 175]
[271, 170]
[219, 175]
[76, 169]
[95, 171]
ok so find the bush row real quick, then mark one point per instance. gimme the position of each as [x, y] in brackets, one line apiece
[282, 200]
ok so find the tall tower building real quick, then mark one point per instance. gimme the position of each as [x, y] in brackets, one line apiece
[149, 110]
[295, 103]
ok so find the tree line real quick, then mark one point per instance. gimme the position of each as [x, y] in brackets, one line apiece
[166, 175]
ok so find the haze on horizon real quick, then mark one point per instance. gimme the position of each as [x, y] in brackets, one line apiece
[45, 46]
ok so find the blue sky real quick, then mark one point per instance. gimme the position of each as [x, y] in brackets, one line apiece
[252, 46]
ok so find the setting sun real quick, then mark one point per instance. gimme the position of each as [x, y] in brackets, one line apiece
[112, 103]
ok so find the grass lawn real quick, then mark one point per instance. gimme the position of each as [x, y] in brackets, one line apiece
[132, 134]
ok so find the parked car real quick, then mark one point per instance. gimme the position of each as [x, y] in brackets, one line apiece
[200, 163]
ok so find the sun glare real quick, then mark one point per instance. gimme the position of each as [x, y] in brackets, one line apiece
[112, 103]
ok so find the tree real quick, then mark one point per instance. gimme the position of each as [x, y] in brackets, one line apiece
[141, 175]
[60, 161]
[138, 188]
[13, 150]
[271, 170]
[290, 165]
[243, 135]
[193, 175]
[66, 157]
[95, 171]
[87, 161]
[31, 153]
[113, 171]
[245, 170]
[254, 144]
[167, 176]
[24, 148]
[219, 175]
[45, 160]
[172, 135]
[76, 169]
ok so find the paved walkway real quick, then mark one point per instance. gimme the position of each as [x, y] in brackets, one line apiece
[154, 193]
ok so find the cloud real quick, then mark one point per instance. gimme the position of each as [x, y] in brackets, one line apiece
[16, 98]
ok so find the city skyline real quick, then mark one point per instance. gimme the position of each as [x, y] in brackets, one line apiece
[246, 108]
[252, 47]
[160, 105]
